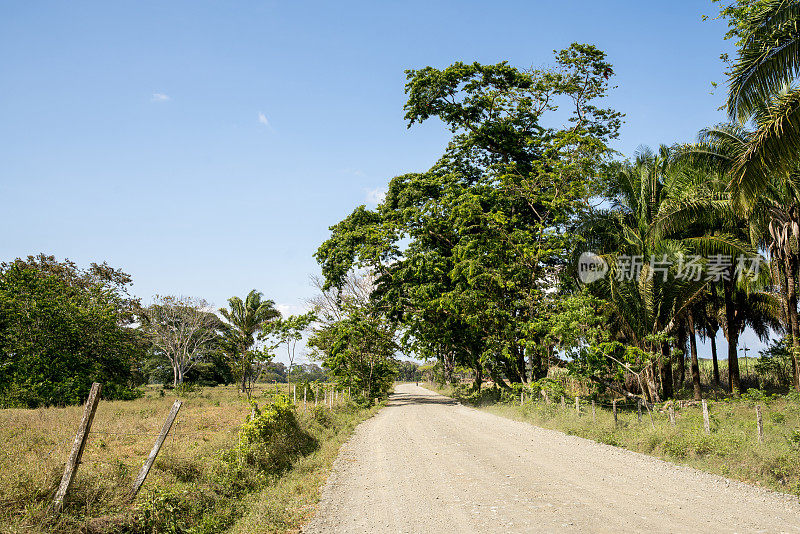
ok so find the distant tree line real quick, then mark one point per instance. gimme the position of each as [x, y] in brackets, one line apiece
[63, 327]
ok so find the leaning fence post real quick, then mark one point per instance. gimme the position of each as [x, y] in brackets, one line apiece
[639, 409]
[671, 415]
[78, 445]
[614, 410]
[706, 424]
[594, 418]
[759, 424]
[173, 413]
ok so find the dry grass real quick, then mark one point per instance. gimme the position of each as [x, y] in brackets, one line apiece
[37, 443]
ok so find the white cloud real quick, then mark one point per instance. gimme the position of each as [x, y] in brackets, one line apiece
[375, 196]
[159, 97]
[292, 309]
[263, 119]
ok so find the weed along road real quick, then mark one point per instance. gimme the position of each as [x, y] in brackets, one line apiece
[426, 464]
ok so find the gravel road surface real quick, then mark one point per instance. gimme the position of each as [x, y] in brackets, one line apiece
[425, 464]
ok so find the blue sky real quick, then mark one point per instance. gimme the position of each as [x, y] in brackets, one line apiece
[205, 147]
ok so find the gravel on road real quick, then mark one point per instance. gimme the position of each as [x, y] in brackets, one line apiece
[425, 464]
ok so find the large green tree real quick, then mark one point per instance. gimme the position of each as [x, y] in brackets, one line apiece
[464, 252]
[62, 328]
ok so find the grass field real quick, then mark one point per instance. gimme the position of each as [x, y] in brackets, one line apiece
[731, 448]
[196, 483]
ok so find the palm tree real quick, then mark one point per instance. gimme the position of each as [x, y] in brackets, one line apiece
[706, 316]
[650, 307]
[769, 56]
[761, 91]
[245, 320]
[771, 220]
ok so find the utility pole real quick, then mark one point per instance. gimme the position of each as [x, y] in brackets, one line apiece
[745, 349]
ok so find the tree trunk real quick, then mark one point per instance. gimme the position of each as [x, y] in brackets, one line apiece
[478, 375]
[714, 360]
[695, 363]
[791, 308]
[650, 382]
[732, 334]
[666, 370]
[519, 356]
[174, 375]
[510, 369]
[497, 380]
[681, 357]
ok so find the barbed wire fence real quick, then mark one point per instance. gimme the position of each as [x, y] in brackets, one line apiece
[171, 434]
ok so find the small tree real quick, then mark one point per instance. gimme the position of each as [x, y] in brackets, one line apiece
[246, 320]
[288, 332]
[359, 351]
[182, 329]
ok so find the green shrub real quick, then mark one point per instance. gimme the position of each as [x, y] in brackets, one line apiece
[273, 438]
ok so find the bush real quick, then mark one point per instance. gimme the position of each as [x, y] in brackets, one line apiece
[477, 398]
[273, 438]
[62, 328]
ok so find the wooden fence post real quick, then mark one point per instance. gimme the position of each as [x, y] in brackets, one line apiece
[305, 394]
[577, 405]
[706, 424]
[563, 402]
[759, 424]
[546, 399]
[594, 418]
[294, 394]
[173, 413]
[521, 398]
[614, 410]
[78, 445]
[671, 415]
[639, 409]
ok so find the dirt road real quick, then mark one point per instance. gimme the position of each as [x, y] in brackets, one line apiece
[424, 464]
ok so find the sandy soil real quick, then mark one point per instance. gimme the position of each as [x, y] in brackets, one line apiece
[427, 464]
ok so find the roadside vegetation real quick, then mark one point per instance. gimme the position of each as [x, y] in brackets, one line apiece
[531, 257]
[531, 245]
[215, 467]
[731, 448]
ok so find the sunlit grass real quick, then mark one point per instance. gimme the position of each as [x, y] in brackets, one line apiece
[37, 444]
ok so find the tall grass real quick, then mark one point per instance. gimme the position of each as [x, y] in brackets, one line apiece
[197, 482]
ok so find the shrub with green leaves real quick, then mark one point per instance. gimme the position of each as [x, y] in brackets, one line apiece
[272, 438]
[62, 328]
